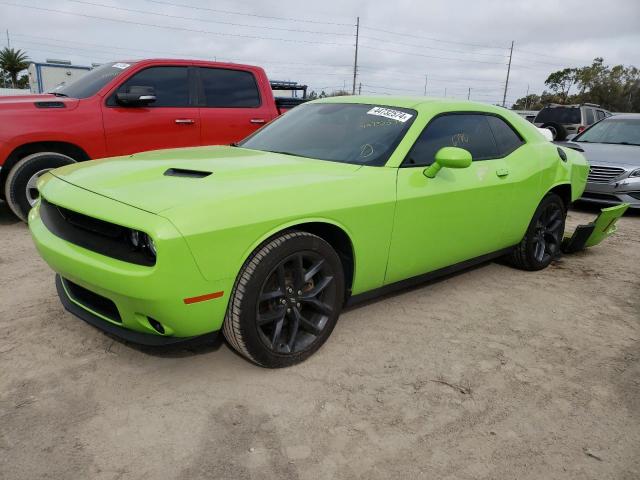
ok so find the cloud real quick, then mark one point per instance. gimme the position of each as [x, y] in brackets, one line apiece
[457, 44]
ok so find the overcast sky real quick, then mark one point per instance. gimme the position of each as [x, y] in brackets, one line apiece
[457, 44]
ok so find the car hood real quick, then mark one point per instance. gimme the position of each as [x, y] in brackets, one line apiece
[610, 154]
[160, 180]
[31, 102]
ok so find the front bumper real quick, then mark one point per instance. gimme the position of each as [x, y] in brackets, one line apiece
[614, 193]
[142, 295]
[132, 336]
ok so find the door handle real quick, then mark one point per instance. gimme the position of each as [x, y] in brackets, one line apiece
[257, 120]
[502, 172]
[185, 121]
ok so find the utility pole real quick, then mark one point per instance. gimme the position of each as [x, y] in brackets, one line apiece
[445, 92]
[526, 99]
[425, 85]
[360, 88]
[469, 93]
[355, 60]
[8, 39]
[506, 84]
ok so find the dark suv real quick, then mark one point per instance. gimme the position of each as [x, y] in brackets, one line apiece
[565, 120]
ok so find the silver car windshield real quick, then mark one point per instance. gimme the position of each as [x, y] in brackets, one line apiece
[624, 131]
[339, 132]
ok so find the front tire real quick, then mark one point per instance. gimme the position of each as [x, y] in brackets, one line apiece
[20, 186]
[286, 300]
[541, 244]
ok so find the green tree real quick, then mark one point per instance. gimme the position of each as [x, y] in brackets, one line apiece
[560, 82]
[12, 62]
[616, 88]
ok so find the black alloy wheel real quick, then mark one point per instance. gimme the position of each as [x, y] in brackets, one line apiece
[296, 302]
[548, 233]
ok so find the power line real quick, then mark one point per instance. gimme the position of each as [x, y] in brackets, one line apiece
[230, 12]
[167, 15]
[404, 34]
[131, 22]
[391, 42]
[413, 54]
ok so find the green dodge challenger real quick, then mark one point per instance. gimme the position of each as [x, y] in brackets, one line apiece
[338, 200]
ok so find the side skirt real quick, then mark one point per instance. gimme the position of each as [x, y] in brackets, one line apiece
[425, 277]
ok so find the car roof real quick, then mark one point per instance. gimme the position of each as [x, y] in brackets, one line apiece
[420, 104]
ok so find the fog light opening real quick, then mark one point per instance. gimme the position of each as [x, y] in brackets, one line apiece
[157, 326]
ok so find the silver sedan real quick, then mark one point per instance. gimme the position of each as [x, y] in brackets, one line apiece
[612, 148]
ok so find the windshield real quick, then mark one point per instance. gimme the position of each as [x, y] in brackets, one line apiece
[612, 130]
[89, 84]
[339, 132]
[558, 115]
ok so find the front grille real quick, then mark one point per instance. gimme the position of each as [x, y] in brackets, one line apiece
[93, 234]
[600, 174]
[93, 301]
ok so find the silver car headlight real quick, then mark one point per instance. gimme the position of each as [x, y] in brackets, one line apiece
[635, 173]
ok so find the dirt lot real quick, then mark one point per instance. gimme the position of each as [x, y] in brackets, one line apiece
[492, 373]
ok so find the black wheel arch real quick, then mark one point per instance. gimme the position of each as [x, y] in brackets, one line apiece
[564, 192]
[335, 236]
[65, 148]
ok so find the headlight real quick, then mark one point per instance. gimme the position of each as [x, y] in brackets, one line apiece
[635, 173]
[142, 242]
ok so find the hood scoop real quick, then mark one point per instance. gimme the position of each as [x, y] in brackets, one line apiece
[50, 104]
[183, 172]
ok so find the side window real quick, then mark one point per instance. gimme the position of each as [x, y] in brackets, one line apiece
[468, 131]
[589, 116]
[507, 140]
[600, 114]
[226, 88]
[171, 85]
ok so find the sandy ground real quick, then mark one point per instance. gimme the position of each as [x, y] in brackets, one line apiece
[492, 373]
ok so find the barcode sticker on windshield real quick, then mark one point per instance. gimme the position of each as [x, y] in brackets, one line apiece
[121, 66]
[390, 113]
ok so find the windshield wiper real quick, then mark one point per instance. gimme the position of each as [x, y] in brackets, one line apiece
[58, 94]
[630, 143]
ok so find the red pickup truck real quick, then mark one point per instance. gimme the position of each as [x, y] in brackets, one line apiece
[122, 108]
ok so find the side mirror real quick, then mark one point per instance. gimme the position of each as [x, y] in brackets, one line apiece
[137, 96]
[448, 157]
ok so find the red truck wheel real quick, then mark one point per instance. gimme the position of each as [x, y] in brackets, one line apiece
[20, 187]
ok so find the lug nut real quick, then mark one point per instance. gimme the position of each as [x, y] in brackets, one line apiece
[288, 310]
[299, 292]
[298, 305]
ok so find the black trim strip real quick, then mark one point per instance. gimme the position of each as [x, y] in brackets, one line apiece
[424, 278]
[124, 333]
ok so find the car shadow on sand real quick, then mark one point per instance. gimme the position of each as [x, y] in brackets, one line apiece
[6, 215]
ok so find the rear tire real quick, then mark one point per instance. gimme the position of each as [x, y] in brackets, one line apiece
[558, 132]
[541, 244]
[286, 300]
[20, 186]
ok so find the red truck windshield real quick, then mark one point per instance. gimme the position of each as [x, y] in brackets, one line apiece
[89, 84]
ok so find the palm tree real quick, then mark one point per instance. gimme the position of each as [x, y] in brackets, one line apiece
[13, 62]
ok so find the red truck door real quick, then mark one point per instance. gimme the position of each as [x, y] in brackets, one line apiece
[169, 122]
[231, 103]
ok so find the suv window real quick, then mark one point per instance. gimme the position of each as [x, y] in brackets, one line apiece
[229, 88]
[589, 116]
[468, 131]
[507, 140]
[600, 114]
[564, 115]
[171, 85]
